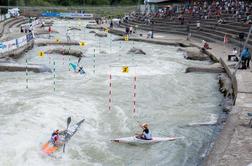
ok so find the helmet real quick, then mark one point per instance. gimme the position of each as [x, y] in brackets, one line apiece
[145, 125]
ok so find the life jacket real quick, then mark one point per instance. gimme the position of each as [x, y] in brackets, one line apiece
[54, 137]
[148, 135]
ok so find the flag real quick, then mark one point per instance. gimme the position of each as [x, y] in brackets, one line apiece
[106, 30]
[125, 69]
[41, 53]
[126, 38]
[82, 43]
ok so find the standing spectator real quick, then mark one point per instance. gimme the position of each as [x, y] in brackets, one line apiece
[245, 58]
[198, 25]
[130, 29]
[21, 29]
[127, 30]
[111, 24]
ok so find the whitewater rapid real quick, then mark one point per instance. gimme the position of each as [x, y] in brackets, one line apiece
[166, 97]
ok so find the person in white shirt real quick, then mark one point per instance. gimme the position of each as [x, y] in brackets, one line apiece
[233, 55]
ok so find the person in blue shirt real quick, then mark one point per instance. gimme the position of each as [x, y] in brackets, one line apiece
[245, 57]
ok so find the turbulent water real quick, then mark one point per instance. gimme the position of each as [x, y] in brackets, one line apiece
[166, 98]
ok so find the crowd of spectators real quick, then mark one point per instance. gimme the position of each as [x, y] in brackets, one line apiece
[238, 10]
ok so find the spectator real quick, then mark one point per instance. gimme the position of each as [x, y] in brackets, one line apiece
[127, 30]
[198, 25]
[111, 24]
[130, 29]
[150, 34]
[233, 54]
[245, 58]
[21, 29]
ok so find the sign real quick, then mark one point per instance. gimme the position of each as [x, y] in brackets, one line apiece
[41, 54]
[126, 38]
[83, 44]
[125, 69]
[106, 30]
[57, 41]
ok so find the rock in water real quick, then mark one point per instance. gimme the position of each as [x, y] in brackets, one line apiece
[74, 29]
[103, 52]
[101, 34]
[194, 53]
[92, 32]
[93, 26]
[62, 51]
[136, 51]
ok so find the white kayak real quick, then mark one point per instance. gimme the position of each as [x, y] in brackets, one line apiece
[134, 140]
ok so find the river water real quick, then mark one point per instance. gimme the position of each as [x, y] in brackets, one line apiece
[166, 98]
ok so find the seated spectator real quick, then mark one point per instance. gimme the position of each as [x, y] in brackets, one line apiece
[233, 55]
[206, 46]
[150, 34]
[220, 21]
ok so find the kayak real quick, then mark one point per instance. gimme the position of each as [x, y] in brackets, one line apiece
[49, 148]
[134, 140]
[74, 67]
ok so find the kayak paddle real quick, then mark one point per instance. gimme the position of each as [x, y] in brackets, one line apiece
[68, 123]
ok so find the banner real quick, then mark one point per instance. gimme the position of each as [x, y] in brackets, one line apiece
[29, 37]
[76, 15]
[67, 15]
[15, 43]
[11, 45]
[50, 14]
[22, 41]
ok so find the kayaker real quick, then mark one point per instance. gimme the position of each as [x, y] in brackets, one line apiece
[81, 70]
[146, 134]
[55, 137]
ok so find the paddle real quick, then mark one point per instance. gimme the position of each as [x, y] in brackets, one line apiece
[68, 123]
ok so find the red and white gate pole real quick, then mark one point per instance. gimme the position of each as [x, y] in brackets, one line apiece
[110, 91]
[134, 95]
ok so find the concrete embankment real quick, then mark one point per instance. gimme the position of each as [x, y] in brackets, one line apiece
[52, 42]
[43, 31]
[8, 55]
[156, 41]
[233, 147]
[207, 69]
[14, 67]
